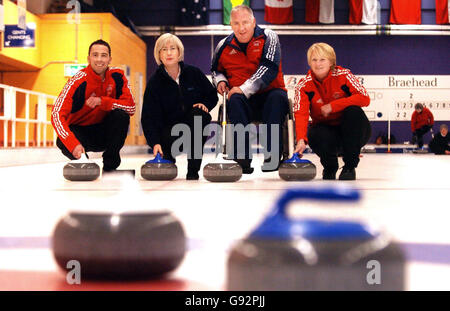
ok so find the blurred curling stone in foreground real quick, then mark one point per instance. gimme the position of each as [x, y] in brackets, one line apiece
[313, 254]
[114, 242]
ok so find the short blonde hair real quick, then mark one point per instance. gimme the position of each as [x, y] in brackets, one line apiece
[324, 50]
[162, 41]
[242, 7]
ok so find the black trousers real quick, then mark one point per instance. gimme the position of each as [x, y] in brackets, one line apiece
[419, 133]
[195, 116]
[108, 136]
[269, 107]
[348, 137]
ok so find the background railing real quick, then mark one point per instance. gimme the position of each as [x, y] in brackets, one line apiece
[30, 109]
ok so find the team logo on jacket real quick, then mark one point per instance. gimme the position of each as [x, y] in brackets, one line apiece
[232, 52]
[337, 95]
[256, 43]
[320, 101]
[109, 90]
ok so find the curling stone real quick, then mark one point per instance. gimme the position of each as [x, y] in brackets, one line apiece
[159, 169]
[315, 254]
[222, 170]
[120, 246]
[81, 170]
[296, 169]
[368, 149]
[420, 150]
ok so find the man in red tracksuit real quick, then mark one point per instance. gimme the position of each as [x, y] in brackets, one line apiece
[93, 111]
[422, 121]
[247, 65]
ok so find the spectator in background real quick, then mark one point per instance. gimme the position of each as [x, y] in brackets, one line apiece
[333, 97]
[440, 142]
[176, 93]
[421, 122]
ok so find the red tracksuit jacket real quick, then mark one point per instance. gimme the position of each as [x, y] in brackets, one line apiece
[340, 89]
[70, 108]
[257, 70]
[420, 119]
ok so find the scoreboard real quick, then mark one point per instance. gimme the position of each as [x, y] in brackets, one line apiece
[393, 97]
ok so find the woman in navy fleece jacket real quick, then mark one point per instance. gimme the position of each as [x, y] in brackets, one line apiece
[176, 93]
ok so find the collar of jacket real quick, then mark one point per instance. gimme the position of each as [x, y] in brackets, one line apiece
[257, 33]
[163, 70]
[94, 75]
[330, 73]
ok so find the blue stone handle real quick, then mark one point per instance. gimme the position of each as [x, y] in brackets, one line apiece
[296, 159]
[278, 225]
[158, 159]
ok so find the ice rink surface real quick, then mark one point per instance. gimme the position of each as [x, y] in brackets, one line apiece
[405, 194]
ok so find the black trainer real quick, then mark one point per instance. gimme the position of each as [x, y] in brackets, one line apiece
[245, 164]
[329, 174]
[348, 173]
[107, 169]
[247, 170]
[111, 164]
[192, 176]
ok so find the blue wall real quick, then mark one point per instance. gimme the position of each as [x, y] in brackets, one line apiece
[369, 55]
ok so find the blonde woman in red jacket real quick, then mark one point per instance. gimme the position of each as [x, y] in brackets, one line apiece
[333, 97]
[422, 121]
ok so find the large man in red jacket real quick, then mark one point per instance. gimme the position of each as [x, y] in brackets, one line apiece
[247, 65]
[93, 111]
[422, 121]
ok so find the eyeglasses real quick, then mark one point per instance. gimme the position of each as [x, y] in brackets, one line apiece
[165, 50]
